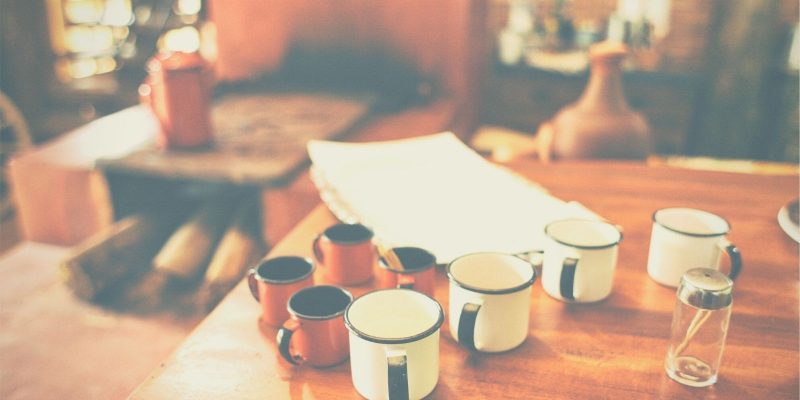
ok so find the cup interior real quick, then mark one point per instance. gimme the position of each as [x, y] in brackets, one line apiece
[691, 221]
[394, 315]
[583, 233]
[412, 258]
[284, 269]
[319, 302]
[348, 233]
[491, 272]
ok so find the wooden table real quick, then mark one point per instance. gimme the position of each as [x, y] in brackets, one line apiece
[260, 139]
[614, 349]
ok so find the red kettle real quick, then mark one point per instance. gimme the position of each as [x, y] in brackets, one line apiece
[178, 89]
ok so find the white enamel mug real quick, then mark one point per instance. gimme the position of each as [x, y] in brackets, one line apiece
[580, 257]
[686, 238]
[394, 343]
[490, 297]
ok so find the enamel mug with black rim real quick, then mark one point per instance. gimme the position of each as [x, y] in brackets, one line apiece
[273, 281]
[580, 257]
[418, 273]
[686, 238]
[490, 297]
[345, 253]
[315, 334]
[394, 344]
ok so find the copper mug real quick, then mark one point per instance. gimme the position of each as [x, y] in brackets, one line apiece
[418, 270]
[273, 281]
[315, 333]
[178, 90]
[345, 253]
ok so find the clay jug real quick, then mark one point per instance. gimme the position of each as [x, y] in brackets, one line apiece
[600, 124]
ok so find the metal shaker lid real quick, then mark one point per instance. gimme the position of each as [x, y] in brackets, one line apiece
[706, 288]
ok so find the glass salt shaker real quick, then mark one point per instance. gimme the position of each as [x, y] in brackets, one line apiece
[699, 326]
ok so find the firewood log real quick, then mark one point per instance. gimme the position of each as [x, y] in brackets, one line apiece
[185, 253]
[121, 251]
[241, 246]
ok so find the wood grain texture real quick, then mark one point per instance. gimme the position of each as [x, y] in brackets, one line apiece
[259, 139]
[612, 349]
[119, 251]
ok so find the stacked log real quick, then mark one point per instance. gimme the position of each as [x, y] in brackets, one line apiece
[152, 259]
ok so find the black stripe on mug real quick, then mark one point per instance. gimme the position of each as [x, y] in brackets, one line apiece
[466, 325]
[567, 286]
[398, 375]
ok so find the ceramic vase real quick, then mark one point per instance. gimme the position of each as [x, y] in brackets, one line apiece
[600, 124]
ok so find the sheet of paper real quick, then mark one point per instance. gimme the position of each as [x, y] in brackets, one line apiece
[436, 193]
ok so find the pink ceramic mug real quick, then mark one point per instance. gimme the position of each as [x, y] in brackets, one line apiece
[345, 253]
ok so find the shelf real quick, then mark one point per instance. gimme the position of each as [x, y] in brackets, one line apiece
[660, 77]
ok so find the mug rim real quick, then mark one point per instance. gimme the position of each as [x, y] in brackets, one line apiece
[584, 247]
[476, 289]
[318, 317]
[694, 210]
[408, 339]
[285, 281]
[384, 265]
[348, 242]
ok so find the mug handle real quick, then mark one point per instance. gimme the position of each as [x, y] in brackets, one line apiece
[397, 362]
[535, 263]
[567, 282]
[406, 281]
[253, 283]
[318, 254]
[735, 256]
[284, 339]
[466, 325]
[528, 256]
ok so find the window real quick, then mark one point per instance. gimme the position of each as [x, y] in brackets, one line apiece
[92, 38]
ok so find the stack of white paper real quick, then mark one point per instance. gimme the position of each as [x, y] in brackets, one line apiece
[436, 193]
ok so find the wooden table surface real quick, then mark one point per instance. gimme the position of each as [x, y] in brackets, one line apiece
[259, 139]
[613, 349]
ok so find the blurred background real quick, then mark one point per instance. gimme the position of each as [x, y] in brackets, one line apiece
[716, 80]
[713, 78]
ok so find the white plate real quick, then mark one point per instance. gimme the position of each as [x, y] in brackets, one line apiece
[790, 227]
